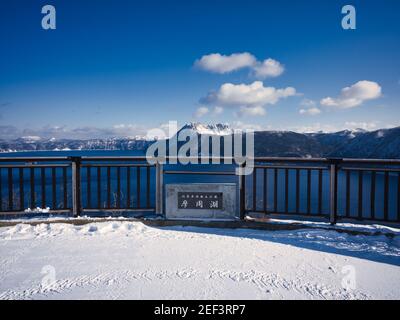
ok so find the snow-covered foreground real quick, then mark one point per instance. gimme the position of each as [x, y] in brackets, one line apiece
[128, 260]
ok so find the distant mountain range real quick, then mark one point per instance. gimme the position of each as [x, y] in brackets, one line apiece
[38, 144]
[383, 143]
[379, 144]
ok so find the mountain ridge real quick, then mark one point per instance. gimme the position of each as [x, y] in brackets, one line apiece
[381, 143]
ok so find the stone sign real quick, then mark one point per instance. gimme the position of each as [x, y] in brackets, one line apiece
[208, 201]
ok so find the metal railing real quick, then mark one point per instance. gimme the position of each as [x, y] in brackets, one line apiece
[331, 188]
[75, 184]
[27, 184]
[314, 183]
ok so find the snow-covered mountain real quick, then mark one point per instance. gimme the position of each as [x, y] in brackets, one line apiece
[53, 144]
[383, 143]
[220, 129]
[379, 144]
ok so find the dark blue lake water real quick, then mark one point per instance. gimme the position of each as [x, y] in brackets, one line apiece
[91, 199]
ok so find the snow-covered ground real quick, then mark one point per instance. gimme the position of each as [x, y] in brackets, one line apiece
[128, 260]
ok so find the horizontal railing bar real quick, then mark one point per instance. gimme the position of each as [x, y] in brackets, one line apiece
[264, 159]
[287, 159]
[105, 165]
[328, 160]
[308, 215]
[34, 165]
[19, 212]
[127, 158]
[217, 173]
[370, 169]
[339, 218]
[116, 209]
[372, 161]
[33, 159]
[290, 167]
[144, 158]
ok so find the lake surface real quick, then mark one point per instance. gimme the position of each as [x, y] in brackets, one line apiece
[90, 198]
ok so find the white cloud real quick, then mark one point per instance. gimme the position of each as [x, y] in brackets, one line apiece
[315, 127]
[360, 125]
[218, 63]
[127, 130]
[250, 98]
[239, 125]
[268, 68]
[324, 127]
[310, 111]
[308, 103]
[217, 110]
[8, 132]
[354, 95]
[163, 131]
[201, 112]
[84, 132]
[252, 111]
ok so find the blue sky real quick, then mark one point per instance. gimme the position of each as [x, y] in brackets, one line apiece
[122, 67]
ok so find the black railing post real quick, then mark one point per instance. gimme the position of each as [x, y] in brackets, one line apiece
[76, 186]
[334, 167]
[159, 188]
[242, 191]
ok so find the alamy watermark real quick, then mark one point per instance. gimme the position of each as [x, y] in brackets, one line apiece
[349, 281]
[49, 18]
[187, 147]
[49, 278]
[349, 20]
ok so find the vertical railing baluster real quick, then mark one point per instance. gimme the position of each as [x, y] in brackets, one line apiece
[386, 197]
[65, 189]
[76, 186]
[372, 194]
[348, 193]
[88, 187]
[10, 190]
[138, 187]
[320, 191]
[336, 190]
[118, 204]
[99, 206]
[128, 187]
[43, 176]
[148, 187]
[21, 190]
[334, 163]
[398, 196]
[265, 190]
[108, 187]
[308, 191]
[286, 190]
[275, 190]
[254, 189]
[53, 188]
[1, 190]
[159, 191]
[360, 194]
[297, 191]
[33, 200]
